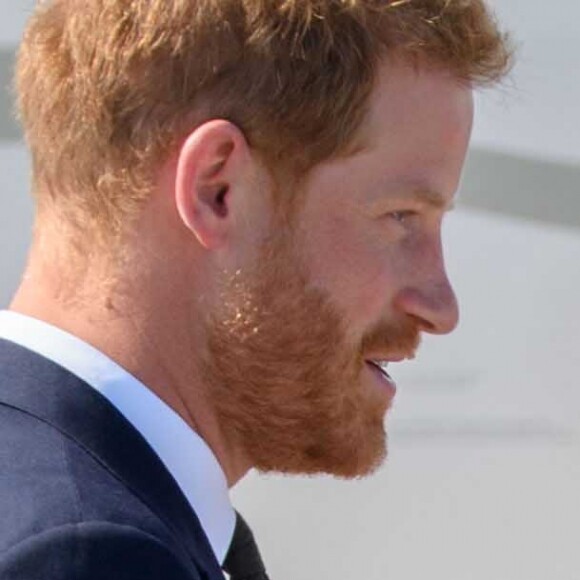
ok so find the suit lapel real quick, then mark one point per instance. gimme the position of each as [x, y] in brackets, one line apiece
[42, 388]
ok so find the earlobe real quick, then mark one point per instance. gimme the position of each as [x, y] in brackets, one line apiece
[209, 167]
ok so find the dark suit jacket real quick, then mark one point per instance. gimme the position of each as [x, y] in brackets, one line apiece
[82, 495]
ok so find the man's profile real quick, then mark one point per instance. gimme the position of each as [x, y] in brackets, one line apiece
[238, 227]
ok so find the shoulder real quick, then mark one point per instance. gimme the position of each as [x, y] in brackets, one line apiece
[93, 551]
[49, 482]
[35, 489]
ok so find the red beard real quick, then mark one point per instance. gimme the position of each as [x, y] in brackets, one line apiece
[286, 384]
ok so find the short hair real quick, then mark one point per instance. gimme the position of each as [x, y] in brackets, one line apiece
[107, 88]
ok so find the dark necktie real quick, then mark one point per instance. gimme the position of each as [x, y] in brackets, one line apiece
[243, 560]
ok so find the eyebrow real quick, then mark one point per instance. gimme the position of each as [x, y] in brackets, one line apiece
[432, 198]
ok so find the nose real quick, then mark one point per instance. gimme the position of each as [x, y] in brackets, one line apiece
[434, 306]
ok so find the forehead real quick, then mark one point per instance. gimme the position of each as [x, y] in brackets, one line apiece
[414, 138]
[403, 88]
[419, 118]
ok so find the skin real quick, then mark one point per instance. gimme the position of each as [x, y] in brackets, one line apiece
[364, 251]
[388, 202]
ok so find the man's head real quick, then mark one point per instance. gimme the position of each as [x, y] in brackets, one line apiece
[279, 172]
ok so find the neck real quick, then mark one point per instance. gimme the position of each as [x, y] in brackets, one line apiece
[147, 335]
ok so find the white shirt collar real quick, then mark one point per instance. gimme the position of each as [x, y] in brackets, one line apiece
[187, 457]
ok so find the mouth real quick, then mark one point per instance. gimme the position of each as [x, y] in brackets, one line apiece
[381, 366]
[382, 379]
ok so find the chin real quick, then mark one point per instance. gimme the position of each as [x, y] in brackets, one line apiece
[345, 458]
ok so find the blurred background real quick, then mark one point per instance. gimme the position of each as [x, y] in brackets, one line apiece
[483, 477]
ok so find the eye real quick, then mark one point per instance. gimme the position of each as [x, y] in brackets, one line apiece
[402, 216]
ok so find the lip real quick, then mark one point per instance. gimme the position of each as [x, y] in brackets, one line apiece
[382, 380]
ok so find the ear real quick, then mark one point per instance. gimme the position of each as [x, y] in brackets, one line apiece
[212, 170]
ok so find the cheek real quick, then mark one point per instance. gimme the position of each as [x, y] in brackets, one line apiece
[355, 269]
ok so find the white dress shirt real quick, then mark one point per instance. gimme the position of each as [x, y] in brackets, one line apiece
[186, 456]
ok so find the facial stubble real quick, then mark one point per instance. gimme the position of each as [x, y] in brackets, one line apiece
[285, 380]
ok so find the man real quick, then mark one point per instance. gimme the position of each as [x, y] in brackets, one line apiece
[239, 205]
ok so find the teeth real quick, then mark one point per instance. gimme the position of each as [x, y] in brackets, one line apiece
[382, 366]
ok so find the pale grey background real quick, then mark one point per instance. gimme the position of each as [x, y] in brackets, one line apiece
[483, 477]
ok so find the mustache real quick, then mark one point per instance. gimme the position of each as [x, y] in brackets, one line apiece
[401, 338]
